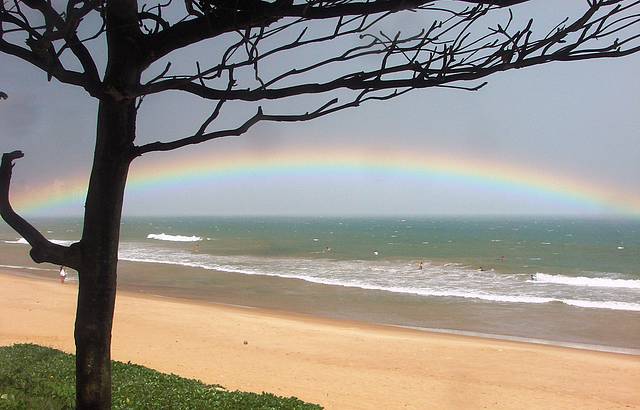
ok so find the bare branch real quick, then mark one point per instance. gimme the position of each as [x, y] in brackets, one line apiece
[40, 40]
[449, 53]
[329, 107]
[59, 28]
[42, 250]
[243, 14]
[49, 65]
[429, 59]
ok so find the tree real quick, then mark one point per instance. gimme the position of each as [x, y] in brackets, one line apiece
[254, 43]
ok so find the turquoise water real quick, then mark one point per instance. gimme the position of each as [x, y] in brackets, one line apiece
[528, 245]
[586, 263]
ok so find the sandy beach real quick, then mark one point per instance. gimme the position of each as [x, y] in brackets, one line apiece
[338, 364]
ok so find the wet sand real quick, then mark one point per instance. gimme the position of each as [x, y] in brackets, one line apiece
[339, 364]
[554, 322]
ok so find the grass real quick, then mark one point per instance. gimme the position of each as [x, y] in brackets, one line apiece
[36, 377]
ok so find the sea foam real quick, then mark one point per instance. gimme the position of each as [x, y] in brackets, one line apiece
[27, 268]
[433, 280]
[173, 238]
[604, 305]
[584, 281]
[22, 241]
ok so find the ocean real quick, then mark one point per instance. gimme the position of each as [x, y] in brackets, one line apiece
[588, 266]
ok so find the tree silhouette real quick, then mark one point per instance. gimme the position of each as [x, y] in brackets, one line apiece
[328, 55]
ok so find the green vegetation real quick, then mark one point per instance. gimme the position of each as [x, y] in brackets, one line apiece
[35, 377]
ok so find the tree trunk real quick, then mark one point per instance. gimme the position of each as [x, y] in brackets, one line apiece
[116, 130]
[99, 244]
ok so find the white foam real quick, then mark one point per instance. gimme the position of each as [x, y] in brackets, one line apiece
[590, 282]
[604, 305]
[338, 274]
[61, 242]
[20, 241]
[25, 267]
[458, 294]
[597, 304]
[23, 241]
[173, 238]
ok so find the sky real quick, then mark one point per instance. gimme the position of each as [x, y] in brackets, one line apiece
[506, 145]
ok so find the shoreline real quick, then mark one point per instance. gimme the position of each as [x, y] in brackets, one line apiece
[306, 316]
[552, 323]
[517, 339]
[339, 364]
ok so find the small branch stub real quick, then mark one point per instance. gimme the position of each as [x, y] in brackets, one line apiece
[5, 173]
[11, 156]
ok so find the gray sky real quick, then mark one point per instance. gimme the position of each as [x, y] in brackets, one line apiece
[575, 120]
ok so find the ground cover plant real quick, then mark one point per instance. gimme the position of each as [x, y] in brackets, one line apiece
[36, 377]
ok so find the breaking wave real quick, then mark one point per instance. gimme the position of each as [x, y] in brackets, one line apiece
[434, 280]
[173, 238]
[584, 281]
[22, 241]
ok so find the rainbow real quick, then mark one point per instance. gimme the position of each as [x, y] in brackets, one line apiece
[157, 172]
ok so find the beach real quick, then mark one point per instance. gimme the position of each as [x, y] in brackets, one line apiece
[339, 364]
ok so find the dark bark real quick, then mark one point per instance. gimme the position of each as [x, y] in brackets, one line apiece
[98, 272]
[42, 250]
[116, 130]
[243, 14]
[96, 255]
